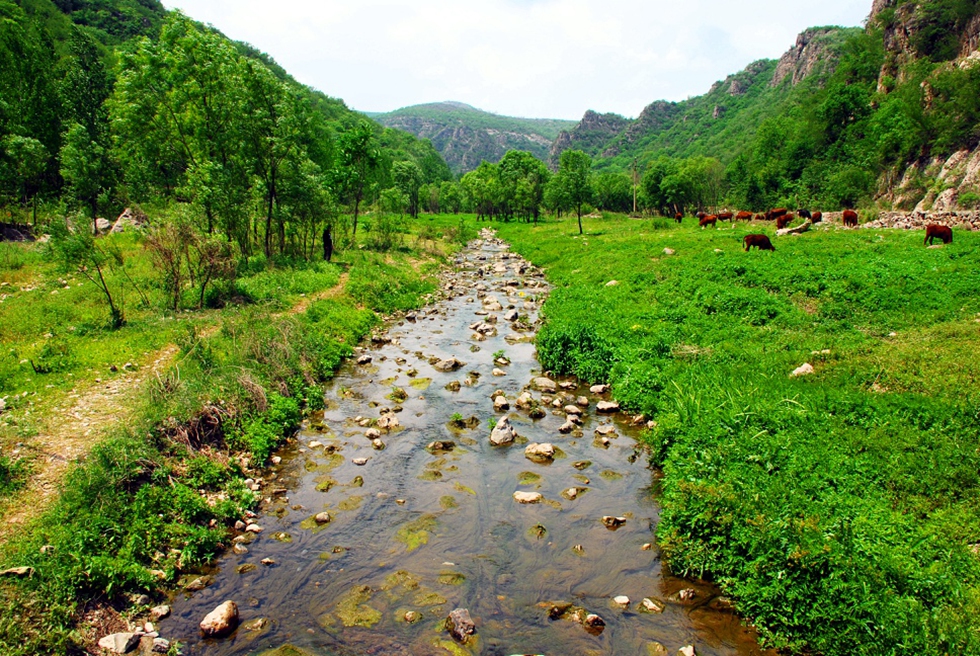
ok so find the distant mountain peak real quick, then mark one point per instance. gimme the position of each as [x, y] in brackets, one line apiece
[466, 136]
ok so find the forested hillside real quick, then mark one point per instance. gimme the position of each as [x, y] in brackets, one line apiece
[106, 104]
[466, 136]
[846, 117]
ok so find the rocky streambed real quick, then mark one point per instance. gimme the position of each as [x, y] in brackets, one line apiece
[453, 498]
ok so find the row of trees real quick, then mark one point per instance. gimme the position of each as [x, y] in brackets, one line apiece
[188, 117]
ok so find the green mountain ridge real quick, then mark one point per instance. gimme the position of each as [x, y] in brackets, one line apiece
[466, 136]
[886, 116]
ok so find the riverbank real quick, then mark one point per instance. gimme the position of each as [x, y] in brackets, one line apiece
[837, 508]
[150, 492]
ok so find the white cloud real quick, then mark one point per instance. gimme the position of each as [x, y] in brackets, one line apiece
[552, 58]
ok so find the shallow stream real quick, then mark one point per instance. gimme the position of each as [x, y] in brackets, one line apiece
[419, 529]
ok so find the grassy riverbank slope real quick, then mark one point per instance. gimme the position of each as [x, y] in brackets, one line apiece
[127, 493]
[838, 509]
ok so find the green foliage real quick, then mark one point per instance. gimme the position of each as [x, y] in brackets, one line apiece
[573, 184]
[79, 252]
[836, 509]
[263, 434]
[115, 20]
[939, 25]
[13, 473]
[280, 285]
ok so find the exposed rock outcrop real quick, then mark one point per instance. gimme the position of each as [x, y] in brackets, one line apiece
[807, 57]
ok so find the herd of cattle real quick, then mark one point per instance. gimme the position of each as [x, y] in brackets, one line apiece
[783, 217]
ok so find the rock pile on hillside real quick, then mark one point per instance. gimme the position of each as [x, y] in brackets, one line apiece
[963, 220]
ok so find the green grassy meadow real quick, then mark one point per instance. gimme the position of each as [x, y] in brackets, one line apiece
[838, 509]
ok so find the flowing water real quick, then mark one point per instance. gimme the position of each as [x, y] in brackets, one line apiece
[421, 529]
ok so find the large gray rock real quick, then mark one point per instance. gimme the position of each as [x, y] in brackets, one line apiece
[157, 613]
[221, 621]
[503, 433]
[527, 497]
[120, 643]
[460, 625]
[540, 452]
[607, 407]
[451, 364]
[546, 385]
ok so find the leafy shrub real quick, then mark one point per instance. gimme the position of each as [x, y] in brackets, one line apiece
[203, 472]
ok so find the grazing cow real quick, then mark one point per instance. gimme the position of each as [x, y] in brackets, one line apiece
[776, 213]
[759, 241]
[743, 216]
[783, 221]
[804, 214]
[725, 216]
[850, 218]
[678, 217]
[817, 217]
[760, 217]
[935, 231]
[708, 220]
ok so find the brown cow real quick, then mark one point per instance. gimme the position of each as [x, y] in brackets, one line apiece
[725, 216]
[743, 216]
[708, 220]
[783, 221]
[700, 215]
[817, 217]
[678, 217]
[850, 218]
[936, 231]
[759, 241]
[760, 217]
[775, 213]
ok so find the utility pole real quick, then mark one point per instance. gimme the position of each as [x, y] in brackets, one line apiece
[634, 185]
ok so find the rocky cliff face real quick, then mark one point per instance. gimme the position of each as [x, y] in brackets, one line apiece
[934, 184]
[808, 56]
[464, 147]
[466, 136]
[592, 133]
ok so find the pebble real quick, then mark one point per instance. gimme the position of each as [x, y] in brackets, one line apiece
[360, 462]
[527, 497]
[613, 522]
[622, 601]
[803, 370]
[159, 612]
[650, 606]
[607, 406]
[540, 452]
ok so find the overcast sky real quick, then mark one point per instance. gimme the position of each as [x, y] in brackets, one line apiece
[535, 58]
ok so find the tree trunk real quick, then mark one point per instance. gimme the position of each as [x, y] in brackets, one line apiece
[357, 203]
[579, 212]
[327, 244]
